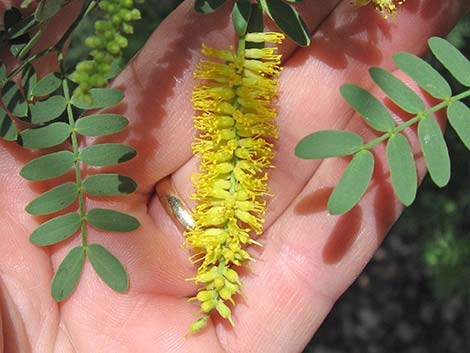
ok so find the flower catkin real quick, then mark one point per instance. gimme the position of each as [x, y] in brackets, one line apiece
[234, 120]
[385, 7]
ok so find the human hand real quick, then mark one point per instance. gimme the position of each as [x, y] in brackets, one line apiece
[309, 257]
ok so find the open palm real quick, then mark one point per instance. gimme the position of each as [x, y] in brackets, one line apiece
[309, 257]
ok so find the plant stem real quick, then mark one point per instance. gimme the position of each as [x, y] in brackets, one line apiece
[74, 139]
[415, 119]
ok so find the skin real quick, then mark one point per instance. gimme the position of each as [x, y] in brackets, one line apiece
[309, 257]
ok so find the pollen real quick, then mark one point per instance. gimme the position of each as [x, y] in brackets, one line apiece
[235, 120]
[385, 7]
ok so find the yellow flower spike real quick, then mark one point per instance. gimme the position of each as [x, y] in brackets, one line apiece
[235, 117]
[385, 7]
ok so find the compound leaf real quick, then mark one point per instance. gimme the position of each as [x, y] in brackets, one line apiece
[369, 107]
[328, 143]
[402, 168]
[424, 74]
[111, 220]
[45, 136]
[109, 185]
[101, 98]
[452, 59]
[56, 229]
[107, 154]
[108, 267]
[67, 275]
[101, 124]
[352, 184]
[397, 91]
[288, 20]
[459, 118]
[47, 110]
[435, 151]
[48, 166]
[53, 200]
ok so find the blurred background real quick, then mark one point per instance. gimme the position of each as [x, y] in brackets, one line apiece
[414, 296]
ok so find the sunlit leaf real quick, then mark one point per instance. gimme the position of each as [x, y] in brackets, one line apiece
[107, 154]
[46, 85]
[14, 100]
[67, 275]
[369, 107]
[402, 168]
[288, 20]
[56, 229]
[110, 269]
[53, 200]
[208, 6]
[459, 118]
[45, 136]
[424, 74]
[452, 59]
[8, 130]
[240, 16]
[109, 185]
[102, 97]
[101, 124]
[48, 8]
[328, 143]
[111, 220]
[48, 166]
[47, 110]
[352, 184]
[435, 151]
[397, 91]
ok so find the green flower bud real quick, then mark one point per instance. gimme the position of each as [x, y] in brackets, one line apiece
[223, 310]
[225, 293]
[205, 295]
[101, 26]
[93, 42]
[127, 28]
[125, 14]
[109, 35]
[135, 13]
[219, 283]
[86, 66]
[104, 5]
[231, 275]
[116, 19]
[208, 305]
[121, 41]
[198, 324]
[127, 3]
[113, 48]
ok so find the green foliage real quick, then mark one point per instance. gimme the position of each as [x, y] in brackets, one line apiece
[241, 16]
[208, 6]
[39, 102]
[108, 268]
[67, 275]
[324, 144]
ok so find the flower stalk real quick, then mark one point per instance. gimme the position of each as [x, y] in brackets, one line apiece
[234, 120]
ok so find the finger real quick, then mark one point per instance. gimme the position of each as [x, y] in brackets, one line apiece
[158, 84]
[311, 257]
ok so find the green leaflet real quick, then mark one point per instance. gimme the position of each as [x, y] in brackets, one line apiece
[328, 143]
[397, 91]
[53, 200]
[44, 136]
[111, 271]
[101, 124]
[352, 184]
[402, 168]
[13, 99]
[369, 107]
[111, 220]
[208, 6]
[46, 85]
[434, 150]
[102, 98]
[3, 72]
[56, 229]
[48, 8]
[48, 166]
[107, 154]
[8, 130]
[459, 118]
[423, 74]
[288, 20]
[47, 110]
[66, 278]
[109, 185]
[28, 80]
[452, 59]
[241, 16]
